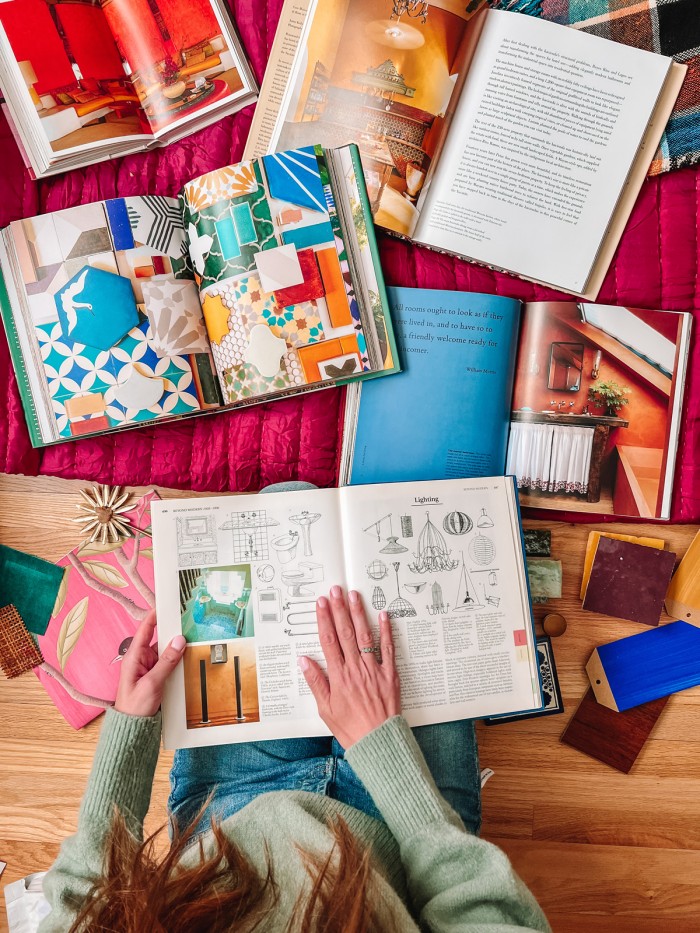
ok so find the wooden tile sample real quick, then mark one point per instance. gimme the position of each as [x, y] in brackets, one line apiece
[644, 667]
[614, 738]
[683, 596]
[629, 581]
[592, 546]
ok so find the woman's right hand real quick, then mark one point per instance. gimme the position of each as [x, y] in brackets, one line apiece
[361, 689]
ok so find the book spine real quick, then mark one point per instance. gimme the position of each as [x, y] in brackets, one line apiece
[25, 390]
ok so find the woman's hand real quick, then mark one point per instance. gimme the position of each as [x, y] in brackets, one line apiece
[143, 673]
[360, 692]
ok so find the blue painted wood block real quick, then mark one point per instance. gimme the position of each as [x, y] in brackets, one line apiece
[644, 667]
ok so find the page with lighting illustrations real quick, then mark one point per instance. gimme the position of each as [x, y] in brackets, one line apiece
[239, 576]
[445, 560]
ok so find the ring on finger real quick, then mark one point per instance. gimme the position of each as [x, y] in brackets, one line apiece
[373, 650]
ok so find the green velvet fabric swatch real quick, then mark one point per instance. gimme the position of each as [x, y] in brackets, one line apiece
[31, 585]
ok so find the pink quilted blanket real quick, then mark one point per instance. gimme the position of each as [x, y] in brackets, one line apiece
[656, 266]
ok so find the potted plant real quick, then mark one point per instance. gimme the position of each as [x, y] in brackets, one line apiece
[173, 85]
[608, 395]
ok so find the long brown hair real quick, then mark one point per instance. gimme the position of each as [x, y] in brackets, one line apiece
[141, 891]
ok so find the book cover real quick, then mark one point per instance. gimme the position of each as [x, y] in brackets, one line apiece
[107, 590]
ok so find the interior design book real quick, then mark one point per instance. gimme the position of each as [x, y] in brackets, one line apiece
[587, 416]
[502, 138]
[239, 576]
[261, 281]
[87, 81]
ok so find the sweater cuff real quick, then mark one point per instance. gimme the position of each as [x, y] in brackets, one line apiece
[390, 764]
[123, 767]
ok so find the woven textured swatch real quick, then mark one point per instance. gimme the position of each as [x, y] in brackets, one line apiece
[18, 650]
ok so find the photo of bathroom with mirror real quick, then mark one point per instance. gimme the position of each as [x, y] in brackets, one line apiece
[596, 408]
[215, 603]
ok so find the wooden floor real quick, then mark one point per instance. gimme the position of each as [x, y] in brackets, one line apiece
[602, 851]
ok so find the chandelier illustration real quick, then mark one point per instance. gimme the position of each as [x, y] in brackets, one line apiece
[412, 8]
[433, 554]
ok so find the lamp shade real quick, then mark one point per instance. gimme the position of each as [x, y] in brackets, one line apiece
[28, 73]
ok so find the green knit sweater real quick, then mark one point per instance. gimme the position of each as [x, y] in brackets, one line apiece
[428, 870]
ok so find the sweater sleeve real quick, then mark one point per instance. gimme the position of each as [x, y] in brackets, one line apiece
[121, 779]
[456, 881]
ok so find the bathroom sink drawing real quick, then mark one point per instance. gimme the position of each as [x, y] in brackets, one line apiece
[305, 520]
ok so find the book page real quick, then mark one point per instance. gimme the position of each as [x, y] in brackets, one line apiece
[458, 355]
[544, 135]
[596, 402]
[60, 104]
[107, 316]
[445, 561]
[344, 71]
[278, 286]
[239, 576]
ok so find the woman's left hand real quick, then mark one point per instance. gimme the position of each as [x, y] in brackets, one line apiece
[143, 673]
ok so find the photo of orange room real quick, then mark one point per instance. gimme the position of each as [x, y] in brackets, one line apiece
[593, 408]
[380, 73]
[221, 684]
[176, 54]
[72, 70]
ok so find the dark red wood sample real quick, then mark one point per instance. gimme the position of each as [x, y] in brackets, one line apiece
[614, 738]
[629, 581]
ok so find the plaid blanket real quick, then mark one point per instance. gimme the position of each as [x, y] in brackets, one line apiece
[671, 27]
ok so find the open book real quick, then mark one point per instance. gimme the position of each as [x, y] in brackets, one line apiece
[90, 81]
[239, 576]
[581, 402]
[261, 281]
[502, 138]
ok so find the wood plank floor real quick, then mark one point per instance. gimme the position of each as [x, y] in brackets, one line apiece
[603, 852]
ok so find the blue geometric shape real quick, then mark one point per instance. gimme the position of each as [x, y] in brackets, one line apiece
[243, 219]
[119, 225]
[314, 235]
[295, 177]
[228, 241]
[96, 308]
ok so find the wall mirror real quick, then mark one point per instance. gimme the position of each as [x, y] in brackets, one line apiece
[565, 367]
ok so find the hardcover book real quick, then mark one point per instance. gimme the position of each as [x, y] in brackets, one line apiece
[261, 281]
[581, 402]
[502, 138]
[239, 576]
[85, 82]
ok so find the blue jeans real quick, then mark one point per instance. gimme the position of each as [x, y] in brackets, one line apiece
[236, 774]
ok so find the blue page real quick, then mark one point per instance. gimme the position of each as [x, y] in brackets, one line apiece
[448, 413]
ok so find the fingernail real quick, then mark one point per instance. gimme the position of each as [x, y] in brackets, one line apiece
[322, 602]
[354, 597]
[178, 643]
[303, 664]
[383, 616]
[336, 592]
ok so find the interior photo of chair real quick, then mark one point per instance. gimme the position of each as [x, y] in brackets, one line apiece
[384, 81]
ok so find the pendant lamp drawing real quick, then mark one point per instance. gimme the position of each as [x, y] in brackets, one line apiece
[392, 545]
[399, 608]
[467, 597]
[433, 554]
[484, 520]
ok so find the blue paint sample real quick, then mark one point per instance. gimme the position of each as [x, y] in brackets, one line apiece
[243, 220]
[314, 235]
[295, 177]
[228, 241]
[652, 664]
[119, 225]
[96, 308]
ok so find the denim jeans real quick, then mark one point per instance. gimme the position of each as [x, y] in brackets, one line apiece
[236, 774]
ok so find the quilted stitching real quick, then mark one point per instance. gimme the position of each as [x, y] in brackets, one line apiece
[655, 266]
